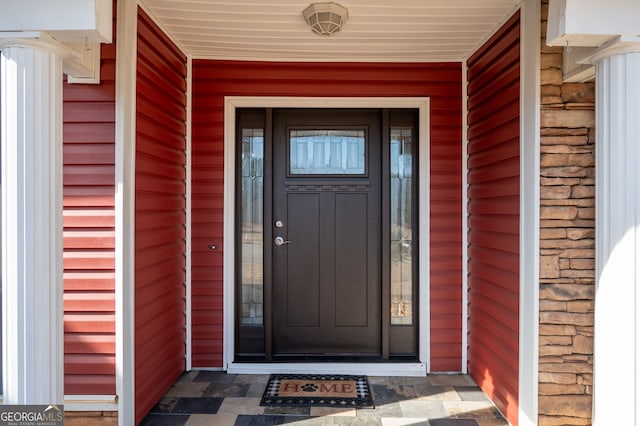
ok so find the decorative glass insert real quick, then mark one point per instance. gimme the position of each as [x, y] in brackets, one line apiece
[401, 230]
[327, 152]
[252, 221]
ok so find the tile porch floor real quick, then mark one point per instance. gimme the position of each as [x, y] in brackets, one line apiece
[201, 398]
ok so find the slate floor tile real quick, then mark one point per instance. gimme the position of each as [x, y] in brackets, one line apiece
[256, 390]
[409, 381]
[453, 422]
[427, 392]
[423, 409]
[450, 380]
[383, 394]
[390, 409]
[188, 376]
[356, 421]
[224, 390]
[300, 411]
[200, 405]
[251, 378]
[165, 420]
[471, 409]
[333, 411]
[180, 389]
[211, 420]
[165, 405]
[379, 380]
[254, 420]
[404, 421]
[471, 393]
[214, 377]
[241, 406]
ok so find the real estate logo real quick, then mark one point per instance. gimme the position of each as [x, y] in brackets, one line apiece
[31, 415]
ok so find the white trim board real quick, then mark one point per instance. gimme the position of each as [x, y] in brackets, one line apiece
[90, 403]
[529, 212]
[465, 220]
[378, 369]
[188, 218]
[230, 105]
[126, 54]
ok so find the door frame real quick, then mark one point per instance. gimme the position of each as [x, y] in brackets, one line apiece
[422, 104]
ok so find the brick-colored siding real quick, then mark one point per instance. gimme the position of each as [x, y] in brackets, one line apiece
[567, 244]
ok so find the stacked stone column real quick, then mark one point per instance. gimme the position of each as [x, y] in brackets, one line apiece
[567, 243]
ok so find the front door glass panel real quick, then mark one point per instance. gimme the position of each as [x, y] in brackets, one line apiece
[327, 152]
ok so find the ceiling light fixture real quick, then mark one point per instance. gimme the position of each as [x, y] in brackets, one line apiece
[325, 18]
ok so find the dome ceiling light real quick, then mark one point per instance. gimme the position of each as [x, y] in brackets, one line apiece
[325, 18]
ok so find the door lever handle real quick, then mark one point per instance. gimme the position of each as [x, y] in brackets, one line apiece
[280, 241]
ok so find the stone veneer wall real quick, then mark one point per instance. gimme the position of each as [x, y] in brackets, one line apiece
[567, 243]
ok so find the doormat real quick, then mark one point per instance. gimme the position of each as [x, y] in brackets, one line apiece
[324, 390]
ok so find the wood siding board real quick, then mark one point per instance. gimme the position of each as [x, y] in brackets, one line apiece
[502, 114]
[88, 364]
[154, 77]
[88, 133]
[94, 281]
[493, 222]
[496, 276]
[104, 92]
[160, 240]
[162, 168]
[89, 323]
[505, 81]
[506, 132]
[79, 343]
[82, 301]
[100, 112]
[154, 106]
[100, 384]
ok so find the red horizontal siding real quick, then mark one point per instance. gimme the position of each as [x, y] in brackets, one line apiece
[494, 209]
[160, 239]
[212, 80]
[88, 235]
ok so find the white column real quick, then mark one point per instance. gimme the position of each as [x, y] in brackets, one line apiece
[617, 304]
[31, 108]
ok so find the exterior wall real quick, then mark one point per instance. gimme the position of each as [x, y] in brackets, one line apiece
[160, 237]
[212, 80]
[567, 244]
[494, 216]
[89, 235]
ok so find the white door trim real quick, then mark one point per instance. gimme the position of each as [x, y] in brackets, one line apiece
[230, 105]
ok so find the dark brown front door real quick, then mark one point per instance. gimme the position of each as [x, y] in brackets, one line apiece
[327, 229]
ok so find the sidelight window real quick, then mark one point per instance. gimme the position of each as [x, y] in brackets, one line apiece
[401, 158]
[251, 230]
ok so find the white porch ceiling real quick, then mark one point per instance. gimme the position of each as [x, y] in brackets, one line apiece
[377, 30]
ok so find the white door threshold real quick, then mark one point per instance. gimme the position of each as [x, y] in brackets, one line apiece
[369, 369]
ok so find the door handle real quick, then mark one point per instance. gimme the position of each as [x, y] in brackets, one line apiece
[280, 241]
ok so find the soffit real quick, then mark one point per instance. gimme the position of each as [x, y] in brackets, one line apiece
[377, 30]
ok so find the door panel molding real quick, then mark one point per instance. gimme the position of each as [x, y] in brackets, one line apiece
[422, 104]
